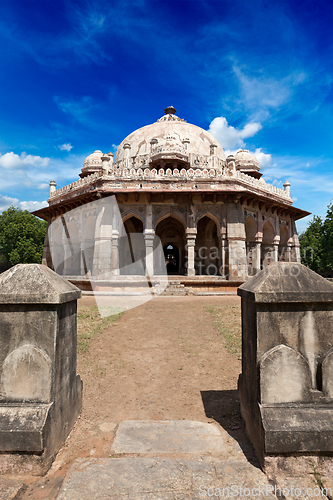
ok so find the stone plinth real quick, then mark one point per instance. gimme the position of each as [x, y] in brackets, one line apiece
[287, 365]
[40, 393]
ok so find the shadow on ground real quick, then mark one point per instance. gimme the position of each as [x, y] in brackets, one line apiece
[224, 408]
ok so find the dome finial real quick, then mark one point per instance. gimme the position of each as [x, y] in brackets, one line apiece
[170, 110]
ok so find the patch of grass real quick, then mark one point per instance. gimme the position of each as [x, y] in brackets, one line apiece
[316, 475]
[227, 319]
[91, 321]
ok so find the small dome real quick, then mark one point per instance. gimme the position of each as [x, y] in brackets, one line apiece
[92, 163]
[244, 157]
[247, 163]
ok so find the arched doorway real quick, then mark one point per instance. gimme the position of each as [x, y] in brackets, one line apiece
[206, 248]
[250, 232]
[132, 251]
[267, 247]
[171, 232]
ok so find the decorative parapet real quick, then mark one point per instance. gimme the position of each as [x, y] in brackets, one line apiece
[77, 184]
[220, 174]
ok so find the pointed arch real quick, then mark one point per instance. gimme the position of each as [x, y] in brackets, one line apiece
[207, 247]
[132, 250]
[171, 231]
[213, 218]
[171, 215]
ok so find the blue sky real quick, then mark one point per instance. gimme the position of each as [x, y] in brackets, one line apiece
[77, 76]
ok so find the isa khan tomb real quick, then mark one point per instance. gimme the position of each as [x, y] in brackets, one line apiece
[217, 220]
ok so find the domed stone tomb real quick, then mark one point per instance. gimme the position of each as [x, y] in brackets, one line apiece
[216, 219]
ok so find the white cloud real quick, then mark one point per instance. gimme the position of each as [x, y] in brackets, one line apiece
[229, 137]
[43, 185]
[14, 161]
[7, 201]
[264, 159]
[78, 108]
[32, 205]
[65, 147]
[261, 95]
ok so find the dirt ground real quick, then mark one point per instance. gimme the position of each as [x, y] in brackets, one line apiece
[167, 359]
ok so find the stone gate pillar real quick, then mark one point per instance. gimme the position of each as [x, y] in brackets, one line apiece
[40, 393]
[286, 385]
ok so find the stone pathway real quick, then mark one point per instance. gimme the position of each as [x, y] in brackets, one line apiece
[168, 460]
[173, 460]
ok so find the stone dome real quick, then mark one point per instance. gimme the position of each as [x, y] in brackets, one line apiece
[247, 163]
[170, 136]
[92, 163]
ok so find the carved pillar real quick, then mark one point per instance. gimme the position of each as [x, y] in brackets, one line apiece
[149, 244]
[295, 253]
[236, 242]
[275, 256]
[222, 252]
[256, 256]
[115, 253]
[103, 236]
[190, 245]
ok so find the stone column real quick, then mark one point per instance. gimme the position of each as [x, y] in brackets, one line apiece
[149, 236]
[115, 253]
[275, 256]
[236, 242]
[222, 252]
[256, 256]
[191, 234]
[53, 186]
[103, 237]
[105, 164]
[47, 258]
[295, 253]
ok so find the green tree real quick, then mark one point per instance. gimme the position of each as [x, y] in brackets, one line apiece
[328, 241]
[21, 237]
[311, 245]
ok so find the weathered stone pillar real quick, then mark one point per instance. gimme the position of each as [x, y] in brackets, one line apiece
[191, 234]
[286, 385]
[47, 258]
[149, 236]
[257, 256]
[237, 261]
[103, 237]
[295, 252]
[275, 253]
[40, 393]
[222, 251]
[115, 253]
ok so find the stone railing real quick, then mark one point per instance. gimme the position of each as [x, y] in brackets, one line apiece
[220, 174]
[77, 184]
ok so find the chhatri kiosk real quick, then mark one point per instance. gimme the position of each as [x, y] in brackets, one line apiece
[217, 220]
